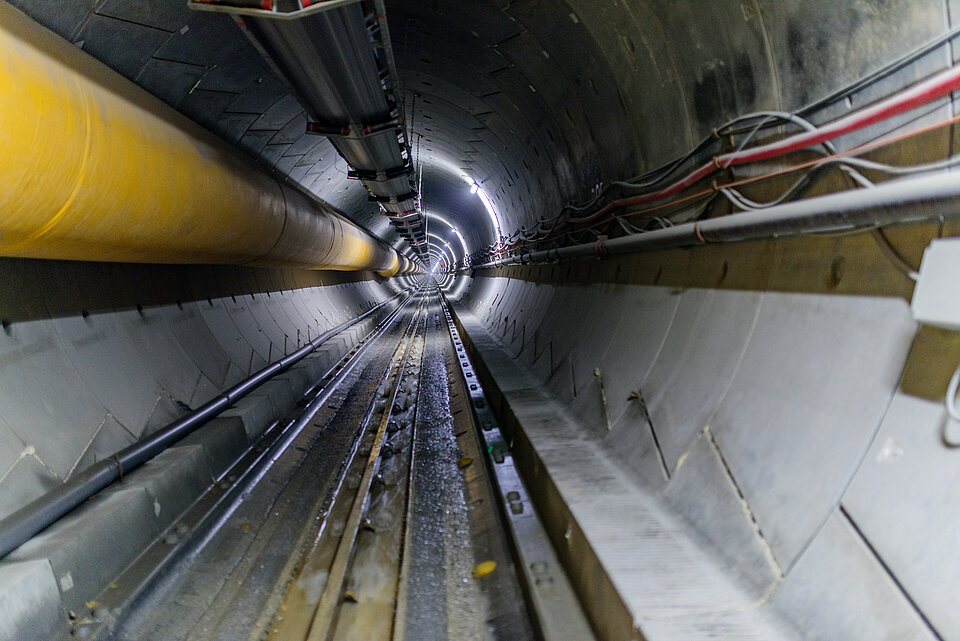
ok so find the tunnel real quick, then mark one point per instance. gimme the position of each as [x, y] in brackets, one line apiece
[567, 320]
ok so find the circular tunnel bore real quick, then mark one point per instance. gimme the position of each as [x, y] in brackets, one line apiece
[726, 430]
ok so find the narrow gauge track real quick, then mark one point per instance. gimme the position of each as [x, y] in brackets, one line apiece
[373, 512]
[406, 532]
[326, 565]
[240, 542]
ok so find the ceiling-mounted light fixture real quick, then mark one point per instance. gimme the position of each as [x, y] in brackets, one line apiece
[474, 187]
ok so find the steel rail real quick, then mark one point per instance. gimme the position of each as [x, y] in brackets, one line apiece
[17, 528]
[154, 564]
[324, 616]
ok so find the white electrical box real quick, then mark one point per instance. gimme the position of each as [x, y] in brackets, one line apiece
[936, 298]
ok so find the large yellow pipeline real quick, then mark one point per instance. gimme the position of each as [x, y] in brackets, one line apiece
[407, 266]
[94, 168]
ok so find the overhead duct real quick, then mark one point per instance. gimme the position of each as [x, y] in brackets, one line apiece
[336, 57]
[95, 168]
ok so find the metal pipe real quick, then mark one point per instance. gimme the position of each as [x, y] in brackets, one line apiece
[329, 60]
[95, 168]
[927, 91]
[901, 201]
[17, 528]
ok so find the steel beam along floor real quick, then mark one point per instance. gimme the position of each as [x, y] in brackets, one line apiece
[454, 517]
[429, 519]
[222, 582]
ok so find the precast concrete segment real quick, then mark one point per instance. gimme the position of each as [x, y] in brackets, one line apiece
[20, 526]
[97, 169]
[637, 572]
[169, 484]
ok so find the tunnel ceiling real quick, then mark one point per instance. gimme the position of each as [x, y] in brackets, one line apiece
[500, 94]
[492, 94]
[542, 102]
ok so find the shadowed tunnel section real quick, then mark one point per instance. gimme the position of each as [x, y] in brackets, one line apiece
[740, 437]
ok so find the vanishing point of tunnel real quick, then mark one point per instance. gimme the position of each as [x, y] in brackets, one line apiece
[479, 320]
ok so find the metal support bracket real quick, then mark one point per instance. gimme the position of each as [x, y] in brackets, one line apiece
[265, 8]
[380, 176]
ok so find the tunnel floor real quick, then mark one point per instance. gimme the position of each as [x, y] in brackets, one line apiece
[369, 513]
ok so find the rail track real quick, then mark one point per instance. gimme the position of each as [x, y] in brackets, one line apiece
[384, 507]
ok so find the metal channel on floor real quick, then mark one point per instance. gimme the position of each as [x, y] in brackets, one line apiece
[551, 597]
[312, 607]
[412, 546]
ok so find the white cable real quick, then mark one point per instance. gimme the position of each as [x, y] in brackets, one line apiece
[952, 395]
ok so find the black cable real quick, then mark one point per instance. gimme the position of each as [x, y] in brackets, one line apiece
[653, 177]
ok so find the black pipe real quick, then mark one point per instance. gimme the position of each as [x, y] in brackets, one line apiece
[19, 527]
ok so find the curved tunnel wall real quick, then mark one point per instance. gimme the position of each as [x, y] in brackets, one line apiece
[775, 423]
[822, 466]
[545, 103]
[780, 399]
[96, 355]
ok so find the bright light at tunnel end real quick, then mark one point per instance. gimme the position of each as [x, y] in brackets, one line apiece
[453, 230]
[476, 189]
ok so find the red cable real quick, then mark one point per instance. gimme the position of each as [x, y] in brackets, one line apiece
[921, 94]
[881, 142]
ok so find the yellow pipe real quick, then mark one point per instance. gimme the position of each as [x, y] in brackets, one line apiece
[394, 269]
[95, 168]
[406, 265]
[409, 267]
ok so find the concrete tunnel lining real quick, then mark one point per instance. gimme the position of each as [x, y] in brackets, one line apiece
[774, 405]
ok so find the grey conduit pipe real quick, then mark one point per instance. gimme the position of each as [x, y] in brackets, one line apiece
[340, 65]
[900, 201]
[17, 528]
